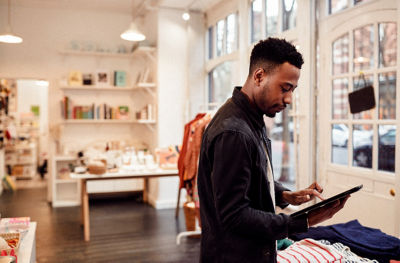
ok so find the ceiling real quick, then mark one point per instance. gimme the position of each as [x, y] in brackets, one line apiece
[120, 6]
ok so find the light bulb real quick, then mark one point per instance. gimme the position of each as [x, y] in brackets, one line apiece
[186, 16]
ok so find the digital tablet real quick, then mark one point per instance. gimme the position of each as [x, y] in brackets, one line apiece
[327, 201]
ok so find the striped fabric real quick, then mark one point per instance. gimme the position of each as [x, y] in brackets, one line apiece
[309, 250]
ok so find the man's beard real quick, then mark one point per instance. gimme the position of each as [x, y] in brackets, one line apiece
[271, 115]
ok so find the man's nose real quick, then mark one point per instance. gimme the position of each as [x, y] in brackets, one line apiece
[287, 97]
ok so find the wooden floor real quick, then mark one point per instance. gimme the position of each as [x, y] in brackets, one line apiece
[123, 229]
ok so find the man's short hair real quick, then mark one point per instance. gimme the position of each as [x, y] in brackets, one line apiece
[272, 52]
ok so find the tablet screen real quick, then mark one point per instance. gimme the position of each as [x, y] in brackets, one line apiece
[327, 201]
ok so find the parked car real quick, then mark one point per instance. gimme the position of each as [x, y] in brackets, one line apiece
[362, 154]
[340, 135]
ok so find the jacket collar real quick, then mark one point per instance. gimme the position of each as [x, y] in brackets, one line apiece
[240, 99]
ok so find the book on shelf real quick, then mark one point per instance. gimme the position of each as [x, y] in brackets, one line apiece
[94, 111]
[119, 78]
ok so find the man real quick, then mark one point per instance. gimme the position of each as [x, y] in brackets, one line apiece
[235, 180]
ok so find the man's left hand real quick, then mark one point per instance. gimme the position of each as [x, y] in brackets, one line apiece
[303, 196]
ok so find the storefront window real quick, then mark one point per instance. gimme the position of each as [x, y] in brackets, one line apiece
[231, 33]
[362, 145]
[289, 14]
[387, 95]
[386, 147]
[281, 132]
[358, 83]
[271, 14]
[387, 44]
[363, 48]
[337, 5]
[339, 98]
[340, 59]
[220, 83]
[256, 20]
[340, 136]
[220, 37]
[210, 42]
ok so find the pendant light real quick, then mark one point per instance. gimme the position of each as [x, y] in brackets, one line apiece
[8, 36]
[133, 34]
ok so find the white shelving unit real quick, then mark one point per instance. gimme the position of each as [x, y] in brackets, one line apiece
[23, 159]
[66, 191]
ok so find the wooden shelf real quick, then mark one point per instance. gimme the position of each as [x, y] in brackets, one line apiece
[144, 85]
[96, 88]
[138, 51]
[92, 121]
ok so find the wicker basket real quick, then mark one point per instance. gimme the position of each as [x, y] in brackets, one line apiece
[8, 236]
[190, 215]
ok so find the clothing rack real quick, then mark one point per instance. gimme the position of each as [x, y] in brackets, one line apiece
[188, 161]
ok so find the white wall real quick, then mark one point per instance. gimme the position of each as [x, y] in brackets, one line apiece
[46, 29]
[175, 63]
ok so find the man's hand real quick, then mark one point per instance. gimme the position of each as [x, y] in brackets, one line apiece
[302, 196]
[326, 212]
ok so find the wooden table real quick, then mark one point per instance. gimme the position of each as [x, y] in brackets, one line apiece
[109, 176]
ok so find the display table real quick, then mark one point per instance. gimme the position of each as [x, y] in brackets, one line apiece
[109, 176]
[27, 248]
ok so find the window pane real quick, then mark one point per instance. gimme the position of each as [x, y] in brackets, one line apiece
[231, 33]
[363, 48]
[210, 36]
[220, 36]
[255, 17]
[281, 134]
[362, 145]
[289, 13]
[337, 5]
[358, 1]
[387, 44]
[340, 135]
[339, 99]
[387, 95]
[340, 53]
[220, 83]
[386, 144]
[271, 14]
[359, 83]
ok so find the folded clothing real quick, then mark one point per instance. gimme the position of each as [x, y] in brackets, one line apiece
[364, 241]
[310, 250]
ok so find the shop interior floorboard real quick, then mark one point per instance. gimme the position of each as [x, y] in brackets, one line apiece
[123, 229]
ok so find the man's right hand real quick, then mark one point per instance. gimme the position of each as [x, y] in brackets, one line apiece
[326, 212]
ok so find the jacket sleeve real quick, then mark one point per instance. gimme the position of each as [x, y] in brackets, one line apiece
[231, 174]
[279, 188]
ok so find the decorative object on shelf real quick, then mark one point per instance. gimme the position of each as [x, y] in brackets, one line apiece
[75, 78]
[123, 113]
[103, 78]
[120, 78]
[87, 79]
[8, 36]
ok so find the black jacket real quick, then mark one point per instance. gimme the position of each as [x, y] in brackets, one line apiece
[238, 219]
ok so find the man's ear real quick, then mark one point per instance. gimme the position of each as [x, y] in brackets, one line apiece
[258, 75]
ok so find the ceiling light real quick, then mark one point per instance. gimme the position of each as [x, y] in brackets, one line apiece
[186, 16]
[8, 36]
[133, 34]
